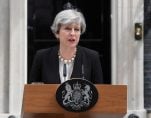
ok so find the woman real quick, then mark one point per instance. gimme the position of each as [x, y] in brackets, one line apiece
[67, 60]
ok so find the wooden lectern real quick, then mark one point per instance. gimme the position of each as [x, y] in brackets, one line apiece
[39, 101]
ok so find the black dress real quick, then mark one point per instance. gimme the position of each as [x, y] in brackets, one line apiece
[45, 66]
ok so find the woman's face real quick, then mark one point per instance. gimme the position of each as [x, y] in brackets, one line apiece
[69, 35]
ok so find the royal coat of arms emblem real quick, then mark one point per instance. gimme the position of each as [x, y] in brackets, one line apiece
[77, 95]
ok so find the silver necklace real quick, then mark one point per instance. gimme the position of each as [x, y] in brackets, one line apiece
[67, 60]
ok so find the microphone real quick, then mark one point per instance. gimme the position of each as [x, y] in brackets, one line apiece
[83, 71]
[64, 70]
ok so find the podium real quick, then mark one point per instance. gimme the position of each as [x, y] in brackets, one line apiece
[39, 101]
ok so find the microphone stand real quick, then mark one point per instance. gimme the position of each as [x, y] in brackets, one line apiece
[83, 71]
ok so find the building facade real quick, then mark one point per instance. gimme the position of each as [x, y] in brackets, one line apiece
[127, 54]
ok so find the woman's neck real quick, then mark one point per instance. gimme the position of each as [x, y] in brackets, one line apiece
[67, 53]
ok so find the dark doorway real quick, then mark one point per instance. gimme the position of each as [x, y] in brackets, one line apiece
[147, 55]
[97, 37]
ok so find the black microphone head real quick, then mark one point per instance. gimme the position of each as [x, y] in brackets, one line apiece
[68, 5]
[64, 70]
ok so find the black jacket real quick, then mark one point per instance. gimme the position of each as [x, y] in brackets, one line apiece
[45, 66]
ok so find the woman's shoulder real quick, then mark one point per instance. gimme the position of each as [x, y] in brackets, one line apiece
[46, 50]
[87, 51]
